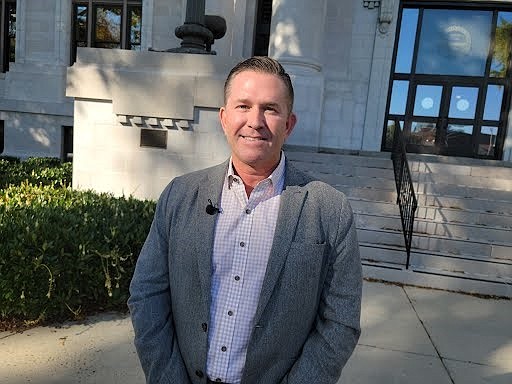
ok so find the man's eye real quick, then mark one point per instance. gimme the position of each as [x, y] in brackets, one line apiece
[242, 106]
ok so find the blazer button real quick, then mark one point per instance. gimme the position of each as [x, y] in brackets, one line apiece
[199, 373]
[205, 327]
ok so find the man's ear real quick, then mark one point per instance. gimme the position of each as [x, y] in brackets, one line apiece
[222, 117]
[290, 123]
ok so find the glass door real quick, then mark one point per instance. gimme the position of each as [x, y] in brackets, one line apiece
[450, 81]
[443, 119]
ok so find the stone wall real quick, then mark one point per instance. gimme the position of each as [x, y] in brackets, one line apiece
[120, 94]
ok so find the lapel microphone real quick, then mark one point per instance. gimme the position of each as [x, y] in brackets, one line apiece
[211, 208]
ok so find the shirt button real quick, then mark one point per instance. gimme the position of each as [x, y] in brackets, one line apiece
[218, 380]
[242, 244]
[237, 278]
[247, 211]
[230, 313]
[223, 349]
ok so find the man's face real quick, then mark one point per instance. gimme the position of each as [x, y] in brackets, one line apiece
[256, 120]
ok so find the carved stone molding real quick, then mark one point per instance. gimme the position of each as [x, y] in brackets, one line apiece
[153, 122]
[371, 4]
[386, 8]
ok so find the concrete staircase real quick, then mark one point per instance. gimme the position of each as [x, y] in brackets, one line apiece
[462, 237]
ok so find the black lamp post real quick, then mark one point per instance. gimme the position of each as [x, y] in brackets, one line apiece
[199, 30]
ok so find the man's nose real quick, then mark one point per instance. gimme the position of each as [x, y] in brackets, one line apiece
[256, 118]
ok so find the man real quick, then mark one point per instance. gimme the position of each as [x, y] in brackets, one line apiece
[264, 285]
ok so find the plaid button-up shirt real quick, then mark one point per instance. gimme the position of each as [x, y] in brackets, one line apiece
[243, 237]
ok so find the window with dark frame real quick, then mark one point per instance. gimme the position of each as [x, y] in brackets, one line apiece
[262, 29]
[106, 24]
[2, 137]
[67, 143]
[450, 80]
[7, 32]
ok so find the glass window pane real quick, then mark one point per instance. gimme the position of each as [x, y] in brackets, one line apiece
[398, 97]
[428, 100]
[108, 25]
[390, 132]
[501, 45]
[423, 133]
[463, 102]
[459, 136]
[406, 40]
[493, 102]
[108, 45]
[135, 25]
[487, 140]
[81, 23]
[454, 42]
[11, 8]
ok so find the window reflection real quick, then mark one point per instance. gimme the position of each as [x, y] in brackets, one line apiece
[399, 97]
[406, 40]
[135, 28]
[423, 133]
[459, 136]
[463, 102]
[487, 140]
[454, 42]
[493, 102]
[390, 132]
[108, 27]
[428, 100]
[501, 45]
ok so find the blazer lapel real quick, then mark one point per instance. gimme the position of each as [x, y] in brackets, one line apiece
[292, 201]
[210, 189]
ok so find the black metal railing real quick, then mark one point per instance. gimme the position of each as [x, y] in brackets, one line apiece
[406, 198]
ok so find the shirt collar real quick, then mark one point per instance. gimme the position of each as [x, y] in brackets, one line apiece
[276, 178]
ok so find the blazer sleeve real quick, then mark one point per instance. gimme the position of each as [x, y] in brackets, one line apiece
[337, 326]
[150, 304]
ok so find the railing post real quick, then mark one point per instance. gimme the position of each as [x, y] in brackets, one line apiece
[406, 198]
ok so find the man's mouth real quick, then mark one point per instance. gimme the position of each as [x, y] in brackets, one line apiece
[250, 138]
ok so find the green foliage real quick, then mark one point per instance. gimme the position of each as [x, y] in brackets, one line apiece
[43, 170]
[502, 47]
[66, 253]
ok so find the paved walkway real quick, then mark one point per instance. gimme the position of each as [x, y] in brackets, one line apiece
[410, 336]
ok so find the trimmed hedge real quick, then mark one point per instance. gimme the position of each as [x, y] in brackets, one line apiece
[35, 170]
[66, 253]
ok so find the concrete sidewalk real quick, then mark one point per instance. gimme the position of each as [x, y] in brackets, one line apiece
[409, 336]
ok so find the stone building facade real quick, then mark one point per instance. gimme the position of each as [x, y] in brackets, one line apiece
[359, 67]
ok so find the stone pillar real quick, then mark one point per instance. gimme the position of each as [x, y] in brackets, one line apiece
[297, 41]
[297, 33]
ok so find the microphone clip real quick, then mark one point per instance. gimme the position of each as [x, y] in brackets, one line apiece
[211, 208]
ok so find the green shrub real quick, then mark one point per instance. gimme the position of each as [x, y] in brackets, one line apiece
[36, 170]
[66, 252]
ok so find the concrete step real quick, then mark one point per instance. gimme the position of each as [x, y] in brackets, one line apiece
[441, 229]
[434, 214]
[436, 189]
[463, 180]
[436, 279]
[465, 204]
[451, 215]
[460, 166]
[369, 159]
[338, 181]
[456, 247]
[468, 266]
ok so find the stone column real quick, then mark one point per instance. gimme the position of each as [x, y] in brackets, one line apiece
[297, 41]
[297, 33]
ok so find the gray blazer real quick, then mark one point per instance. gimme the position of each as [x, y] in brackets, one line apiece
[307, 320]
